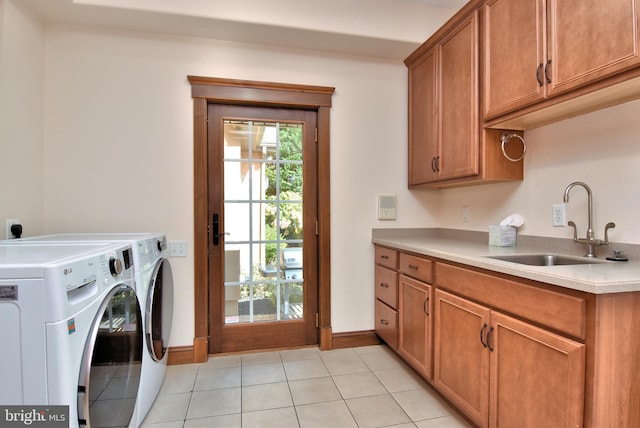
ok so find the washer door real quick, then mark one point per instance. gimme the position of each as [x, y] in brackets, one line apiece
[110, 371]
[159, 310]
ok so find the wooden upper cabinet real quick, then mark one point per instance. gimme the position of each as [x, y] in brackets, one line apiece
[537, 49]
[514, 51]
[444, 128]
[590, 39]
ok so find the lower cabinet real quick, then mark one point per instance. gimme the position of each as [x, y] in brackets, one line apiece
[503, 372]
[415, 326]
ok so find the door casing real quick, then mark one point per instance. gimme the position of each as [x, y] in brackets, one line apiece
[208, 90]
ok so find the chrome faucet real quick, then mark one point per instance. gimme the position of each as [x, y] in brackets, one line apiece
[590, 240]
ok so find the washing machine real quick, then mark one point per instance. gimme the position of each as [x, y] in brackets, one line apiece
[154, 287]
[72, 332]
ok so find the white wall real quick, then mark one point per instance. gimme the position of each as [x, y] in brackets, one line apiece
[21, 116]
[600, 148]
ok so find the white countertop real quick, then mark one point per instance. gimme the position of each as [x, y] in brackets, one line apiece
[600, 278]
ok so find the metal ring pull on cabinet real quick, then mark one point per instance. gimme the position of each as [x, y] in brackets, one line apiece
[505, 137]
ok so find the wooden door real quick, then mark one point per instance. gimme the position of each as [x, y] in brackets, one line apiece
[537, 377]
[423, 124]
[415, 309]
[461, 358]
[515, 38]
[263, 243]
[459, 131]
[590, 39]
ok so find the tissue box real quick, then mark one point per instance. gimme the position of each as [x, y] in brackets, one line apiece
[502, 236]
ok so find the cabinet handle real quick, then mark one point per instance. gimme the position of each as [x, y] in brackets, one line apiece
[433, 164]
[437, 163]
[384, 257]
[414, 267]
[425, 306]
[384, 285]
[539, 75]
[384, 322]
[546, 72]
[489, 339]
[484, 327]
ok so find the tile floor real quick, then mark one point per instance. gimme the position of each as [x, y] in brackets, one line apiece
[306, 388]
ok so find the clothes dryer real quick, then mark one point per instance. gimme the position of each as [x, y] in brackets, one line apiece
[154, 287]
[74, 331]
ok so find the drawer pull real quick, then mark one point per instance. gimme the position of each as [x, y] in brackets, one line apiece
[384, 285]
[384, 257]
[384, 322]
[414, 267]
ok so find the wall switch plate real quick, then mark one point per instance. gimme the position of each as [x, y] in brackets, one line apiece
[387, 207]
[559, 215]
[177, 248]
[11, 222]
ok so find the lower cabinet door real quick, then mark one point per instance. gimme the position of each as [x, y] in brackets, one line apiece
[415, 328]
[461, 358]
[387, 324]
[537, 377]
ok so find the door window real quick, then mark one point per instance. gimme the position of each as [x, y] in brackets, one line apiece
[263, 226]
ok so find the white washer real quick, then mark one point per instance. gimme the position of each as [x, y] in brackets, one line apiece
[154, 286]
[73, 332]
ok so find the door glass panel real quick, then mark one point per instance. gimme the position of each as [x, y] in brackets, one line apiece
[263, 221]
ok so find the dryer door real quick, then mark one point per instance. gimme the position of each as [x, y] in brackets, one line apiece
[110, 371]
[159, 310]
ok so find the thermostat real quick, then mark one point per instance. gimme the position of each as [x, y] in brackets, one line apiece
[387, 207]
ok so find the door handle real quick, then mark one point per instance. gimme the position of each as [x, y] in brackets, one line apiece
[547, 71]
[215, 229]
[539, 74]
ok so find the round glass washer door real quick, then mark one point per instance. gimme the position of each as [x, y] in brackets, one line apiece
[110, 371]
[159, 310]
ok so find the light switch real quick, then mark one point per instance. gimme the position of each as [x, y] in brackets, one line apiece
[177, 248]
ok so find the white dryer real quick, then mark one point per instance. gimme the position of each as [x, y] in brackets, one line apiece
[76, 335]
[154, 287]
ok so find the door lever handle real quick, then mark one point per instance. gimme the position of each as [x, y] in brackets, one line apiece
[215, 230]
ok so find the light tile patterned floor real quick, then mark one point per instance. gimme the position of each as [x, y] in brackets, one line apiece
[305, 388]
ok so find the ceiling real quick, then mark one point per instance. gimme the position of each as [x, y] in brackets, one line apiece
[385, 29]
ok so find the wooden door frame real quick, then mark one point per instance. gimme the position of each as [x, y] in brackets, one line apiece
[208, 90]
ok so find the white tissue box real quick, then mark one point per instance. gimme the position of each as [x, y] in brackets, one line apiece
[502, 236]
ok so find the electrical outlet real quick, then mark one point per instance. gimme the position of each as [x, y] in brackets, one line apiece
[465, 214]
[178, 249]
[11, 222]
[559, 215]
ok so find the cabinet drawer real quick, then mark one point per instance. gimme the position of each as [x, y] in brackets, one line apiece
[416, 267]
[387, 286]
[387, 324]
[559, 311]
[387, 257]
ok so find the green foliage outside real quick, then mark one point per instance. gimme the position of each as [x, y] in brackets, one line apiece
[290, 190]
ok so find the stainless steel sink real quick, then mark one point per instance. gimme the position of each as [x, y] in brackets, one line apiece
[545, 259]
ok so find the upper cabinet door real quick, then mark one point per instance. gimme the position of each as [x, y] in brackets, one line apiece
[590, 40]
[458, 101]
[514, 54]
[423, 125]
